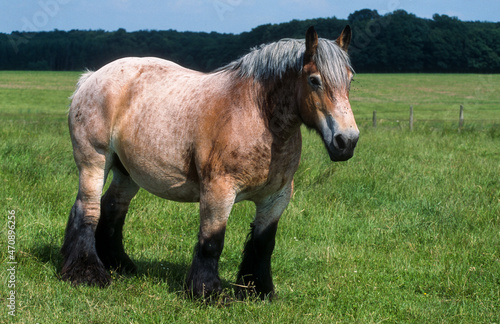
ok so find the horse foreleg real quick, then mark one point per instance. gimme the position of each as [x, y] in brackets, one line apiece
[114, 207]
[203, 277]
[254, 276]
[81, 263]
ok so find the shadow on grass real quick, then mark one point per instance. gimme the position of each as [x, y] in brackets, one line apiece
[48, 253]
[174, 274]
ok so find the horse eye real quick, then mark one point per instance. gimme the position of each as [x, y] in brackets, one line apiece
[315, 81]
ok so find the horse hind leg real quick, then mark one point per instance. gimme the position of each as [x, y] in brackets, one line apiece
[254, 276]
[81, 263]
[114, 207]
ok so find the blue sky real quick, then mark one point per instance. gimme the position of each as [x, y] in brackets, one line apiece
[227, 16]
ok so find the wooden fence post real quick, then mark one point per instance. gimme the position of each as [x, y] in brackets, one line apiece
[411, 118]
[461, 118]
[374, 118]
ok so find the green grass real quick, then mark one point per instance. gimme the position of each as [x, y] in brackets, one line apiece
[436, 99]
[406, 231]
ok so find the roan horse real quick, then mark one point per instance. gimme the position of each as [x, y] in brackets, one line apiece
[214, 138]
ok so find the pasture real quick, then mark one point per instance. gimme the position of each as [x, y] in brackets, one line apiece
[408, 230]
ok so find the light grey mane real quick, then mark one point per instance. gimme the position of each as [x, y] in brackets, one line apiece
[274, 60]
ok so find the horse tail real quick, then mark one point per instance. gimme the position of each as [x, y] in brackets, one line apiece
[81, 81]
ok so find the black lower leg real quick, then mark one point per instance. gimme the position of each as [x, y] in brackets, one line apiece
[254, 276]
[203, 277]
[109, 236]
[81, 264]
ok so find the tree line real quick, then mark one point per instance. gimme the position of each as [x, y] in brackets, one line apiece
[394, 42]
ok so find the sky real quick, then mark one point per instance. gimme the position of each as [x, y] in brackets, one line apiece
[224, 16]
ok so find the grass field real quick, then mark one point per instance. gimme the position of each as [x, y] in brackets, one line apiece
[406, 231]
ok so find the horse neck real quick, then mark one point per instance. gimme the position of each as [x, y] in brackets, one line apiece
[280, 106]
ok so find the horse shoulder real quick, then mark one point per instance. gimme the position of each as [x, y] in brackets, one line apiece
[237, 145]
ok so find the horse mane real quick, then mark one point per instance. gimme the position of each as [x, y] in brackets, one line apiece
[274, 60]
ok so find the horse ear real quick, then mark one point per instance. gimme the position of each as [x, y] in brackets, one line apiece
[345, 38]
[311, 45]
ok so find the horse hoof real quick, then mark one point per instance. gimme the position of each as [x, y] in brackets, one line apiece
[127, 268]
[249, 291]
[122, 265]
[91, 275]
[204, 291]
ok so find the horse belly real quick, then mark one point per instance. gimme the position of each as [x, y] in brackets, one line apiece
[159, 157]
[164, 178]
[172, 188]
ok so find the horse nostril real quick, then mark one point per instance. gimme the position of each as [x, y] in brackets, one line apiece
[341, 143]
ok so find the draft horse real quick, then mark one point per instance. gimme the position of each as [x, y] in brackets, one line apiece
[214, 138]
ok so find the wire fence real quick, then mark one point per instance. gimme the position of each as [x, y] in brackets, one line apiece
[411, 119]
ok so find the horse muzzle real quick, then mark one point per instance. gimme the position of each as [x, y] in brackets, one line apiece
[339, 143]
[342, 146]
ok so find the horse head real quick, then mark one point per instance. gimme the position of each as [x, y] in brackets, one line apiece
[324, 93]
